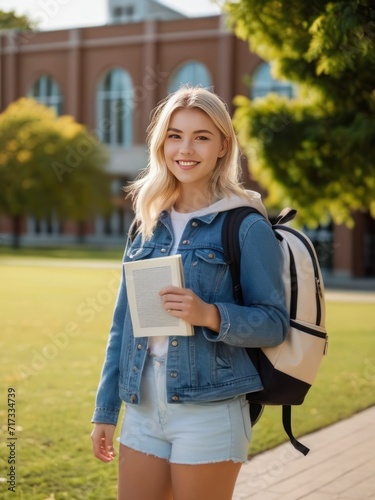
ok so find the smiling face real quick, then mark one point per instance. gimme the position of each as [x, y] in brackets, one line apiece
[192, 147]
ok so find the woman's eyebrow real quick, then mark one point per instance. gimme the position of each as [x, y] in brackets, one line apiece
[203, 131]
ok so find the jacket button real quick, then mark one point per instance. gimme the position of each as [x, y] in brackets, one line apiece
[174, 343]
[135, 369]
[211, 255]
[175, 398]
[139, 347]
[186, 242]
[194, 223]
[133, 398]
[163, 250]
[174, 375]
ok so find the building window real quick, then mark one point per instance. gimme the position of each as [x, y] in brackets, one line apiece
[123, 13]
[192, 73]
[114, 224]
[264, 83]
[117, 12]
[49, 226]
[46, 91]
[115, 108]
[129, 11]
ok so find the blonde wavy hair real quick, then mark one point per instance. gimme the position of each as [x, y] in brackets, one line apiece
[156, 188]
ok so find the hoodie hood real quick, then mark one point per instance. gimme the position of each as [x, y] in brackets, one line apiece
[251, 199]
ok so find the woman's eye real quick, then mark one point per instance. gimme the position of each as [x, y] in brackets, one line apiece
[202, 138]
[173, 136]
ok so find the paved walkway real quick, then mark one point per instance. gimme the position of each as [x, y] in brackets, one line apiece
[340, 465]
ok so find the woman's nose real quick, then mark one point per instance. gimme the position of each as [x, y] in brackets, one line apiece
[186, 148]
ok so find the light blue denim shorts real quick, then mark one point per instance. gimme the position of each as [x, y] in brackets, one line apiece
[185, 433]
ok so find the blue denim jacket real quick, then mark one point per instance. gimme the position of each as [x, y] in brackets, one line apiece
[208, 366]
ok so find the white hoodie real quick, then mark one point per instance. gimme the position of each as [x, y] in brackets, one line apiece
[253, 199]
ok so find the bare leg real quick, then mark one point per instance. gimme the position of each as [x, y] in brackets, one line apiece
[214, 481]
[142, 476]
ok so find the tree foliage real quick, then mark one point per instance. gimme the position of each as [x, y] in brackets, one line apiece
[316, 151]
[49, 165]
[10, 20]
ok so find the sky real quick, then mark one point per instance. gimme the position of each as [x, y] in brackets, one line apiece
[63, 14]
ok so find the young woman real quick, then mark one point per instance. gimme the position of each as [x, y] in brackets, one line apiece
[187, 428]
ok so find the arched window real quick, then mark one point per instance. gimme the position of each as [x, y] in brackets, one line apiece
[114, 104]
[46, 91]
[264, 83]
[193, 73]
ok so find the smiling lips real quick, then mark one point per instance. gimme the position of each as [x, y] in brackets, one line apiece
[187, 165]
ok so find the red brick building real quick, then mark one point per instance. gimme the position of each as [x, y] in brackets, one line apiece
[111, 77]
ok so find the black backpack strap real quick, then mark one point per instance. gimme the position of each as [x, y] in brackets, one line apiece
[286, 215]
[287, 423]
[231, 244]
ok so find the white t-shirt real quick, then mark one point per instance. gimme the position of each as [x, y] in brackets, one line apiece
[158, 346]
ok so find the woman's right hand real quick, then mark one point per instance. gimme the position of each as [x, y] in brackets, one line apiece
[102, 442]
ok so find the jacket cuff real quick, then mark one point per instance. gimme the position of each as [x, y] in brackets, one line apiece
[224, 326]
[105, 416]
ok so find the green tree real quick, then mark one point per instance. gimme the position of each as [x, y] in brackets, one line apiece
[49, 165]
[10, 20]
[316, 151]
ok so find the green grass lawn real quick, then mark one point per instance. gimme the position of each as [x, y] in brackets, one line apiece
[54, 324]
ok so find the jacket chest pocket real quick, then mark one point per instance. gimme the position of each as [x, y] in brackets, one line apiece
[208, 269]
[138, 253]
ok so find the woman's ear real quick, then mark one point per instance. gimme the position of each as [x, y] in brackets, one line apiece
[224, 147]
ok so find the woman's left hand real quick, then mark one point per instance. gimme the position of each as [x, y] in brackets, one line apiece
[184, 303]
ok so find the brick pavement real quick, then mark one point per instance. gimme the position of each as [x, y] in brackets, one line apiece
[340, 465]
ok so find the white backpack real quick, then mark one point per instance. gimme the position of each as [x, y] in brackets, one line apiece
[288, 370]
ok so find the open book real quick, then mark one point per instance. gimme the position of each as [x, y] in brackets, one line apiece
[144, 280]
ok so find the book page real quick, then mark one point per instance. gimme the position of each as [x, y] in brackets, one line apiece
[144, 280]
